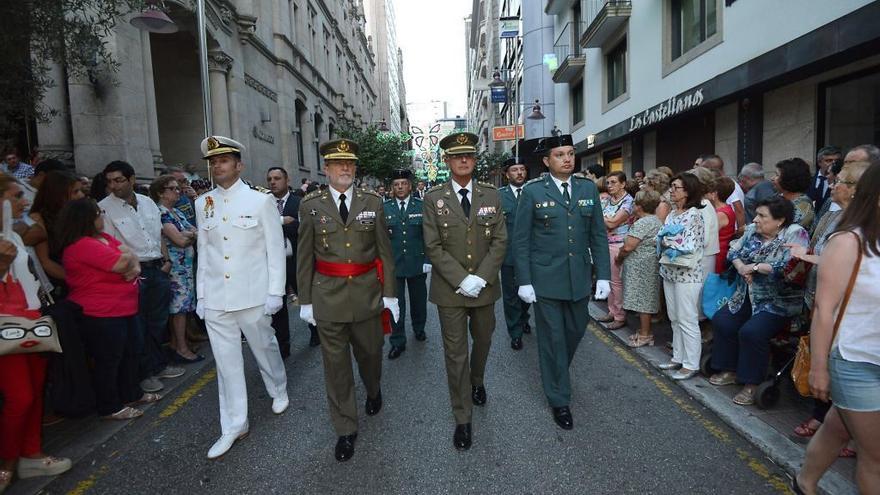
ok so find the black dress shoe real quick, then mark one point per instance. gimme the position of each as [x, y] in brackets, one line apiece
[462, 437]
[374, 405]
[527, 328]
[395, 352]
[516, 343]
[314, 339]
[478, 394]
[421, 337]
[345, 447]
[562, 416]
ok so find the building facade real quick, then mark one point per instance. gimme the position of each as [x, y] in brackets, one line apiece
[284, 75]
[382, 31]
[483, 56]
[645, 83]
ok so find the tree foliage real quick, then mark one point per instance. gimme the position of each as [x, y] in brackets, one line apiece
[380, 152]
[488, 162]
[34, 34]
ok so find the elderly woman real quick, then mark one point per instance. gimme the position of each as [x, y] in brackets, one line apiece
[763, 304]
[641, 276]
[847, 365]
[680, 242]
[842, 191]
[22, 376]
[181, 236]
[616, 208]
[658, 182]
[792, 179]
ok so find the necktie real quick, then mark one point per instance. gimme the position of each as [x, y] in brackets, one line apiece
[343, 210]
[465, 204]
[821, 188]
[280, 204]
[565, 194]
[518, 192]
[402, 208]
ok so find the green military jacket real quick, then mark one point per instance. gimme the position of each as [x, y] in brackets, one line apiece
[556, 247]
[362, 239]
[458, 246]
[405, 231]
[508, 205]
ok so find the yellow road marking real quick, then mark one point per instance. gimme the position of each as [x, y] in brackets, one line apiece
[714, 429]
[188, 394]
[85, 485]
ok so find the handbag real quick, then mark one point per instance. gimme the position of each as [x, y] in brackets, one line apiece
[800, 370]
[20, 335]
[717, 290]
[796, 272]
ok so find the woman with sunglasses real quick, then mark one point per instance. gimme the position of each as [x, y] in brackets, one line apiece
[102, 277]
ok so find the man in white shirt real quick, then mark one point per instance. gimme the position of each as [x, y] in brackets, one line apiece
[239, 286]
[135, 220]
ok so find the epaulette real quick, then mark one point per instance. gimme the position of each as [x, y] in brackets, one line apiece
[312, 195]
[437, 187]
[486, 184]
[504, 187]
[413, 198]
[256, 188]
[373, 193]
[535, 180]
[581, 177]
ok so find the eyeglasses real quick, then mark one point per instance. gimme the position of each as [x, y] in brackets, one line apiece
[177, 189]
[677, 188]
[118, 180]
[15, 333]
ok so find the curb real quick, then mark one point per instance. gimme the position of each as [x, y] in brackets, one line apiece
[776, 446]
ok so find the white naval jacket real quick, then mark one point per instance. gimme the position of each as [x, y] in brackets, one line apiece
[241, 248]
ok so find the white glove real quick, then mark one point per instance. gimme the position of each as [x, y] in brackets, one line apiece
[471, 286]
[603, 288]
[426, 268]
[273, 304]
[307, 314]
[200, 308]
[527, 294]
[391, 304]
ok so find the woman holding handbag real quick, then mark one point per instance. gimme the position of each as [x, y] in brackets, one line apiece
[23, 375]
[845, 342]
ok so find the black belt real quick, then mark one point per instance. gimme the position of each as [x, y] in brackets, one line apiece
[157, 263]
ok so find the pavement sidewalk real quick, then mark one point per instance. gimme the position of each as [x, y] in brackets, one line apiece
[770, 430]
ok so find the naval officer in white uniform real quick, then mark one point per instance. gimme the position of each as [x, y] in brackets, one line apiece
[240, 284]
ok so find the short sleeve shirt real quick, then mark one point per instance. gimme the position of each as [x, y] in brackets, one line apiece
[88, 265]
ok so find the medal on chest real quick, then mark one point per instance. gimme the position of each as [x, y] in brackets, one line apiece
[209, 207]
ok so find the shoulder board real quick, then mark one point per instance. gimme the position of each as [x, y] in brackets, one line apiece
[581, 177]
[437, 187]
[257, 188]
[415, 199]
[486, 184]
[504, 188]
[535, 180]
[371, 193]
[388, 202]
[312, 195]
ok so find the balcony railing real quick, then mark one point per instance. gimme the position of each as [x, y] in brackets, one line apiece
[604, 18]
[569, 53]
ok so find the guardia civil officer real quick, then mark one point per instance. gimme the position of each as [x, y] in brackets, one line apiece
[403, 217]
[239, 285]
[516, 311]
[558, 240]
[465, 240]
[345, 277]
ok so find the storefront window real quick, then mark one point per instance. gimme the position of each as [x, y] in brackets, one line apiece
[852, 111]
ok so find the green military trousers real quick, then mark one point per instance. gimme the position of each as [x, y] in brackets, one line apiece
[418, 312]
[365, 340]
[560, 326]
[516, 312]
[462, 374]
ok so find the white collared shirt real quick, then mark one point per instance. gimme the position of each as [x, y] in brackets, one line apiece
[140, 229]
[283, 199]
[288, 249]
[559, 184]
[348, 194]
[469, 187]
[405, 202]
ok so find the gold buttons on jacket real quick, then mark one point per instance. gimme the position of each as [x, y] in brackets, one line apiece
[225, 238]
[224, 218]
[344, 230]
[468, 256]
[226, 257]
[347, 244]
[227, 275]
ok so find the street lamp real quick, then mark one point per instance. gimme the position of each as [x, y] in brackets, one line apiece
[536, 112]
[154, 19]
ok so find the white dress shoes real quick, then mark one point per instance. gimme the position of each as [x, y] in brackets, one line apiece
[279, 405]
[224, 443]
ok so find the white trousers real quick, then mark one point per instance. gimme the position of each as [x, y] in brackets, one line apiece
[224, 331]
[682, 301]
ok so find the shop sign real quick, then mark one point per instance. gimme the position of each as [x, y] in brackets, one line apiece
[499, 94]
[669, 108]
[507, 132]
[509, 27]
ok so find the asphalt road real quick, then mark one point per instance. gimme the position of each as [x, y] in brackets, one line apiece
[635, 432]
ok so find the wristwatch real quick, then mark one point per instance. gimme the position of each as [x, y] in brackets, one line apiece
[755, 268]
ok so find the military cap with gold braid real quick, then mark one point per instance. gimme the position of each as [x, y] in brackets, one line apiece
[219, 145]
[460, 143]
[339, 149]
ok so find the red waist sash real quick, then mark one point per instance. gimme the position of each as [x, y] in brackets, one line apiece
[331, 269]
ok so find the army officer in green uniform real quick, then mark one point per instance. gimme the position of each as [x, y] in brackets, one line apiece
[516, 311]
[345, 277]
[465, 240]
[403, 217]
[559, 239]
